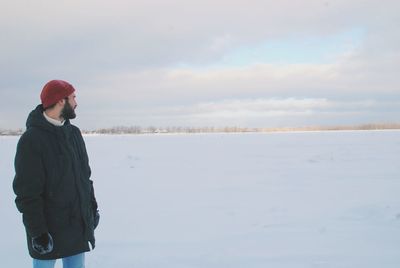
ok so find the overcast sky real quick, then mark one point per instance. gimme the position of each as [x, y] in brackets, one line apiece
[242, 63]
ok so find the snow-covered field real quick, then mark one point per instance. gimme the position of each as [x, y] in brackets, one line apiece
[280, 200]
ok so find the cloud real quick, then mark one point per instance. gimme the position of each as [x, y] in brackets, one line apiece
[83, 39]
[260, 112]
[126, 57]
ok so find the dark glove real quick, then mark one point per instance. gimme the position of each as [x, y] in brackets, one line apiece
[43, 243]
[96, 218]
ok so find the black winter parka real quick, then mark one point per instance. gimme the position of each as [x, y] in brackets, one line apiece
[52, 185]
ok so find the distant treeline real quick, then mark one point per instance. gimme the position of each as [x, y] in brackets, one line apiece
[146, 130]
[141, 130]
[11, 132]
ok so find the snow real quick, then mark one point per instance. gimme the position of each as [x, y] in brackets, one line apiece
[282, 200]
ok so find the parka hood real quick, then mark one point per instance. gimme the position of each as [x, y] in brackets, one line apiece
[36, 119]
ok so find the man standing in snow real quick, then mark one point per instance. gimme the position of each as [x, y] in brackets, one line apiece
[52, 185]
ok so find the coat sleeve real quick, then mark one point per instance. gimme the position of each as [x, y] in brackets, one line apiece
[92, 195]
[93, 198]
[85, 158]
[28, 185]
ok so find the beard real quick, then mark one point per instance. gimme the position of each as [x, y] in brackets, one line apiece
[68, 112]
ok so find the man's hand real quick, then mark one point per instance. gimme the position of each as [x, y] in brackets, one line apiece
[96, 219]
[43, 243]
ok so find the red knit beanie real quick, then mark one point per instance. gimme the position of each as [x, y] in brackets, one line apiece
[54, 91]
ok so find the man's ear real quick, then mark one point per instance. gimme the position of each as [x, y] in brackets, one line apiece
[61, 102]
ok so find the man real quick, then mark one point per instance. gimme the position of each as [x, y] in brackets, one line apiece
[52, 185]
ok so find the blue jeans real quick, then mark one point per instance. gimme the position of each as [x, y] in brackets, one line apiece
[76, 261]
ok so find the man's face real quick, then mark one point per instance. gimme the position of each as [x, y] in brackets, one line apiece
[68, 111]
